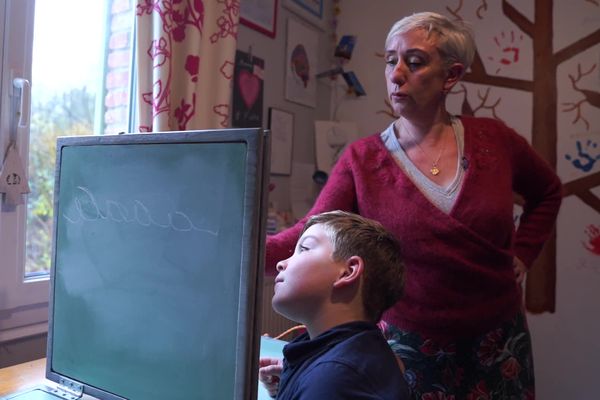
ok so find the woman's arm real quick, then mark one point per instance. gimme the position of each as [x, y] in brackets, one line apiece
[339, 193]
[541, 189]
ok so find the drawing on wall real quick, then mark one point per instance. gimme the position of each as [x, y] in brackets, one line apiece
[301, 64]
[585, 156]
[509, 47]
[281, 124]
[592, 243]
[310, 10]
[589, 96]
[544, 125]
[260, 15]
[331, 138]
[247, 100]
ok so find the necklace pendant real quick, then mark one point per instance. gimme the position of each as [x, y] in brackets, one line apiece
[434, 170]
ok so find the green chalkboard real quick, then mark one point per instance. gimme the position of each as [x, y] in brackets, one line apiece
[156, 260]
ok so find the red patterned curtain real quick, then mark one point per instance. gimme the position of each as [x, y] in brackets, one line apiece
[185, 57]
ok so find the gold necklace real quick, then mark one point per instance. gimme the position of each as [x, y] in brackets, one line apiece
[435, 169]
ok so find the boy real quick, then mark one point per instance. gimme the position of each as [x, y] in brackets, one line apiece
[345, 272]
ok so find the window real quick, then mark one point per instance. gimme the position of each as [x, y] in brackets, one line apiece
[77, 57]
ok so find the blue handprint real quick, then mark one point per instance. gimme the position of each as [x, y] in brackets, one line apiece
[585, 161]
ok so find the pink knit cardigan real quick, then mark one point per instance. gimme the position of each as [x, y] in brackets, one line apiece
[460, 280]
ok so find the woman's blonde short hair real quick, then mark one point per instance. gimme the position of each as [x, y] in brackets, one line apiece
[455, 40]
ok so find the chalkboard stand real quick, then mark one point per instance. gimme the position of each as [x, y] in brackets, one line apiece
[83, 164]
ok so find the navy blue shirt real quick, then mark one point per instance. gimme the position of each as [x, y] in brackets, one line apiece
[350, 361]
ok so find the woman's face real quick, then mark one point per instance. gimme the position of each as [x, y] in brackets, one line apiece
[415, 74]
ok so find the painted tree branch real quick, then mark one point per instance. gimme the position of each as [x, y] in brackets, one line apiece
[581, 188]
[479, 12]
[576, 106]
[519, 19]
[483, 7]
[456, 13]
[582, 184]
[479, 75]
[577, 47]
[590, 199]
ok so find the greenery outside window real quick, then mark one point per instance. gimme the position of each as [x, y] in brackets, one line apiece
[77, 55]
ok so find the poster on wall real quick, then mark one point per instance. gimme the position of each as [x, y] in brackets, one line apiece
[247, 91]
[331, 138]
[301, 64]
[309, 10]
[260, 15]
[281, 124]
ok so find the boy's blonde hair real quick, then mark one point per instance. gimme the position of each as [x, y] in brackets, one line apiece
[383, 275]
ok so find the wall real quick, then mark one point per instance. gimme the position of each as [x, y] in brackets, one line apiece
[118, 67]
[273, 51]
[22, 350]
[565, 342]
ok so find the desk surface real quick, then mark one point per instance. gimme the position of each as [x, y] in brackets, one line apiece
[22, 376]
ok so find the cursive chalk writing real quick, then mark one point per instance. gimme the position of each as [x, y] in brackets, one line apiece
[88, 209]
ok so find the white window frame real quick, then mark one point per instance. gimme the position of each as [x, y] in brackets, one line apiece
[23, 303]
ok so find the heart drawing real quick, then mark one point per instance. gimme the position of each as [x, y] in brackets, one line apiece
[249, 85]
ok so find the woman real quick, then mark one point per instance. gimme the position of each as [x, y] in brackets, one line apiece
[444, 185]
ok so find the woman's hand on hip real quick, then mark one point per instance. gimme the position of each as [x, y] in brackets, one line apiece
[520, 270]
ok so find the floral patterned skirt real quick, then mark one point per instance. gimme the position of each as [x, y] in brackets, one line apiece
[495, 365]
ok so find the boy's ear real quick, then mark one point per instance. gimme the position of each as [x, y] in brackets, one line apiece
[351, 273]
[453, 75]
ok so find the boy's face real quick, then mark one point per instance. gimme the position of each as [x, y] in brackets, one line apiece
[305, 280]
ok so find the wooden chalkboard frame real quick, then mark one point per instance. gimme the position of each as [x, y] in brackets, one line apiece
[255, 195]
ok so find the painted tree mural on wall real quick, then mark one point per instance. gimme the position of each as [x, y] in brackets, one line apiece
[543, 87]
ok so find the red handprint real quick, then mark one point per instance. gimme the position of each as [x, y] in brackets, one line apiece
[513, 59]
[508, 45]
[593, 243]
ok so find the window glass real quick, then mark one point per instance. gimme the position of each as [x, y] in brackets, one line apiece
[81, 65]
